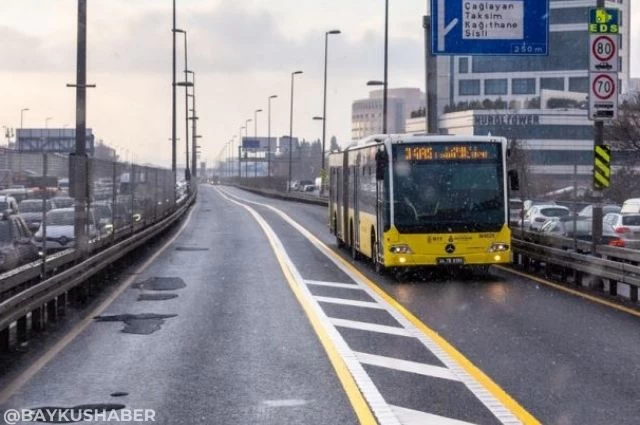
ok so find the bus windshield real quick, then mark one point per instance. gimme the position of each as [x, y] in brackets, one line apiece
[443, 188]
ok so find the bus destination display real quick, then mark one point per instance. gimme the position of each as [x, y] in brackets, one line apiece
[447, 152]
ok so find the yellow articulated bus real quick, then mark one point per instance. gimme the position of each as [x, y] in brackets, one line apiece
[405, 200]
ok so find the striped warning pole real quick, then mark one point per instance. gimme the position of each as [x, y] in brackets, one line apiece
[602, 167]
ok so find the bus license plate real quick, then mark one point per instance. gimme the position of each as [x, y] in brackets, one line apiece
[450, 261]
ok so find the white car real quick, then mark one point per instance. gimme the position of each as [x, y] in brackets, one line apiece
[8, 204]
[537, 215]
[60, 229]
[626, 226]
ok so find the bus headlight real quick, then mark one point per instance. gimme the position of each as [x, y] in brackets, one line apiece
[498, 247]
[401, 249]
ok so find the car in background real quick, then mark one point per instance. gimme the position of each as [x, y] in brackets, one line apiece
[309, 188]
[17, 192]
[516, 208]
[606, 209]
[531, 203]
[631, 206]
[16, 246]
[63, 185]
[104, 216]
[60, 229]
[62, 201]
[537, 215]
[31, 212]
[8, 204]
[582, 230]
[304, 184]
[626, 226]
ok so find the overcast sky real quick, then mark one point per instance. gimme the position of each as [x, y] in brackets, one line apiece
[242, 52]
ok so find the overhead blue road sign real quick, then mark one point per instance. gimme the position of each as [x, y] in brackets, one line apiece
[490, 27]
[250, 143]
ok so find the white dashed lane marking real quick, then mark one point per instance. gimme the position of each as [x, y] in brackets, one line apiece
[333, 284]
[352, 303]
[415, 417]
[406, 366]
[371, 327]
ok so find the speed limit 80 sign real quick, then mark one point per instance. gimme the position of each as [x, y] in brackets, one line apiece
[604, 55]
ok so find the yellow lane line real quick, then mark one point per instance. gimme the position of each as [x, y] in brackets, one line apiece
[360, 406]
[563, 288]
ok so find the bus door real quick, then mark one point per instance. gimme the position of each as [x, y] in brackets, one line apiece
[381, 161]
[356, 202]
[337, 199]
[344, 190]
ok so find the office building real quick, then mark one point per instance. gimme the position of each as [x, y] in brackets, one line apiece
[366, 114]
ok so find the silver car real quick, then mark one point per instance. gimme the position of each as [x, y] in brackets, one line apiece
[31, 212]
[60, 229]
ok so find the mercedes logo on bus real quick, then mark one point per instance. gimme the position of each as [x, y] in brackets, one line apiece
[451, 248]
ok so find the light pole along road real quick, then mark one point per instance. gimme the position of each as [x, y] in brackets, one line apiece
[293, 74]
[273, 96]
[324, 102]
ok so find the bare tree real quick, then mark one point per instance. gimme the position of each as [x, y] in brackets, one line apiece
[624, 132]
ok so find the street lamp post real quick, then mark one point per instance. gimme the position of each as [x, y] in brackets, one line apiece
[186, 84]
[255, 134]
[194, 119]
[255, 123]
[273, 96]
[173, 98]
[293, 74]
[324, 102]
[385, 89]
[22, 111]
[239, 147]
[246, 135]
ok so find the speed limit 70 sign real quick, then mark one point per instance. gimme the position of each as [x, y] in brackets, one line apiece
[603, 96]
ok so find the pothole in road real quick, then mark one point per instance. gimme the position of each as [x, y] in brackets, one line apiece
[140, 324]
[119, 394]
[156, 297]
[161, 284]
[191, 248]
[68, 415]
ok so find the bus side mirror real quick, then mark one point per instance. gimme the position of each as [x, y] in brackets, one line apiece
[382, 160]
[514, 181]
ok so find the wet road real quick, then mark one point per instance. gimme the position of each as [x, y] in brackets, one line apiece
[247, 318]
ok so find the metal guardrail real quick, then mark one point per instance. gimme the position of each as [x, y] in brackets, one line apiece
[18, 305]
[565, 258]
[290, 196]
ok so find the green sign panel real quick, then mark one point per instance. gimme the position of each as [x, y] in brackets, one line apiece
[604, 21]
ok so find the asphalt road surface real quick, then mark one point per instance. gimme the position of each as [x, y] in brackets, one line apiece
[252, 315]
